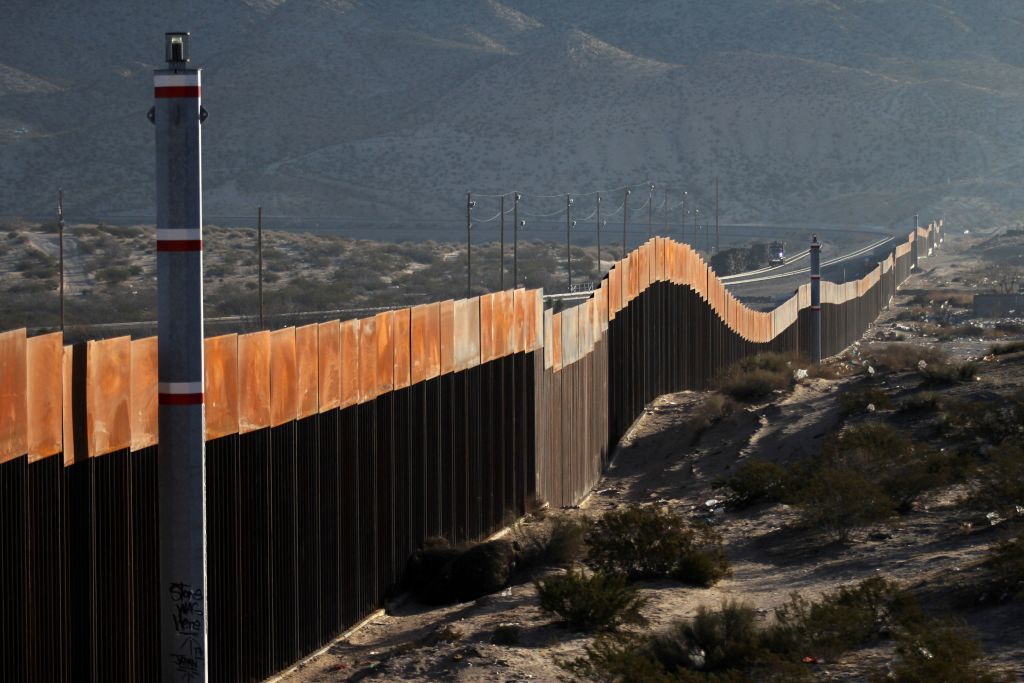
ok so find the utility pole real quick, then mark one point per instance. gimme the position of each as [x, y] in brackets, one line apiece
[682, 215]
[568, 226]
[914, 246]
[650, 211]
[815, 300]
[515, 239]
[717, 243]
[60, 238]
[259, 257]
[665, 211]
[178, 114]
[695, 212]
[598, 235]
[469, 242]
[625, 219]
[501, 260]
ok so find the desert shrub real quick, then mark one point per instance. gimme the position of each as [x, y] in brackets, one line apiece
[872, 610]
[1008, 347]
[1000, 484]
[836, 501]
[858, 401]
[923, 402]
[483, 568]
[885, 456]
[1006, 564]
[896, 356]
[647, 542]
[507, 634]
[951, 373]
[938, 651]
[595, 602]
[428, 572]
[986, 421]
[556, 545]
[756, 376]
[754, 481]
[441, 574]
[823, 371]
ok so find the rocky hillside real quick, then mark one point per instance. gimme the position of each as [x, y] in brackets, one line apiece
[856, 111]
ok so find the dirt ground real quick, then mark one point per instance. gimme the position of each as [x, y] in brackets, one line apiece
[933, 551]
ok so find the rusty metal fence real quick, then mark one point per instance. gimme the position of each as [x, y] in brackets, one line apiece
[334, 450]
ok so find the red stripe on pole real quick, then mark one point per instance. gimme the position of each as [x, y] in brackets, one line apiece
[172, 91]
[179, 245]
[180, 399]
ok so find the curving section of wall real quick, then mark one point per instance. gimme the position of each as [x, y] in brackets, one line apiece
[334, 450]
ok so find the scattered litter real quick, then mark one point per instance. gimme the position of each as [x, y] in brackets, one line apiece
[810, 660]
[712, 502]
[871, 407]
[921, 365]
[801, 374]
[871, 370]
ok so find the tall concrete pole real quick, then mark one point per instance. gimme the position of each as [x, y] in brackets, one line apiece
[501, 257]
[717, 243]
[60, 238]
[515, 239]
[625, 219]
[598, 235]
[815, 300]
[469, 243]
[177, 115]
[568, 252]
[913, 246]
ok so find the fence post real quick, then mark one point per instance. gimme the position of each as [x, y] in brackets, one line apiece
[815, 300]
[177, 115]
[913, 247]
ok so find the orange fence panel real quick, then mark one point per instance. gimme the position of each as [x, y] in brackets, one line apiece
[425, 341]
[556, 339]
[367, 359]
[73, 413]
[486, 327]
[385, 352]
[549, 344]
[220, 386]
[307, 370]
[145, 408]
[284, 390]
[351, 374]
[44, 357]
[446, 317]
[108, 394]
[519, 309]
[467, 333]
[13, 395]
[403, 348]
[329, 365]
[536, 335]
[253, 381]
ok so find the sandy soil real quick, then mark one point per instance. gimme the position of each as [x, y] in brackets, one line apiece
[933, 550]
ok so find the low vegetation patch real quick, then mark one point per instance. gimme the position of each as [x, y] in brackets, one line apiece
[647, 542]
[756, 377]
[1006, 564]
[923, 402]
[442, 574]
[558, 544]
[1000, 481]
[938, 651]
[728, 645]
[1008, 347]
[868, 398]
[594, 602]
[755, 481]
[949, 373]
[897, 356]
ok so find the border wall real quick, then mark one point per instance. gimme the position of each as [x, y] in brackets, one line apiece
[335, 449]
